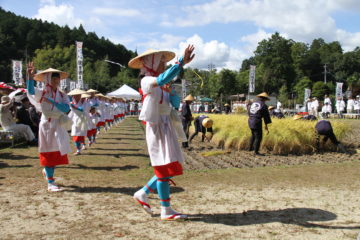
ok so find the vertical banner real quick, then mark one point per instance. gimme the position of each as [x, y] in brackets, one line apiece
[307, 94]
[72, 85]
[252, 78]
[339, 86]
[63, 84]
[79, 63]
[17, 72]
[183, 88]
[40, 85]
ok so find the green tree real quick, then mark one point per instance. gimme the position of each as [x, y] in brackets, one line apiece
[319, 90]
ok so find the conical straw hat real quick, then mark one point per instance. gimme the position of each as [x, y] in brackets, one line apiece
[297, 117]
[207, 123]
[85, 95]
[92, 91]
[189, 98]
[76, 92]
[41, 75]
[264, 95]
[99, 95]
[137, 63]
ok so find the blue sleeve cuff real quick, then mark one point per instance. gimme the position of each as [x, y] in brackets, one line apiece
[30, 86]
[169, 74]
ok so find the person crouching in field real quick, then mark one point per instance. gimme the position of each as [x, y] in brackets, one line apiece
[161, 138]
[54, 105]
[202, 124]
[257, 111]
[324, 129]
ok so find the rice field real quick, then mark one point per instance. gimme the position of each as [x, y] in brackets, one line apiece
[286, 136]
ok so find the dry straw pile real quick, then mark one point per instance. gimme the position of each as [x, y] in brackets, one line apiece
[286, 135]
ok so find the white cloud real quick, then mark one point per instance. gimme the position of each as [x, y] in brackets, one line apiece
[301, 20]
[251, 41]
[60, 14]
[212, 52]
[120, 12]
[164, 41]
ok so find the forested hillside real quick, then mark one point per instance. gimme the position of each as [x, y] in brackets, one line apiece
[50, 45]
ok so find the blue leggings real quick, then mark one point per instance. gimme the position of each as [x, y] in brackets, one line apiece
[163, 188]
[49, 171]
[78, 145]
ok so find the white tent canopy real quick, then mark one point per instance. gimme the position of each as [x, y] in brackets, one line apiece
[125, 92]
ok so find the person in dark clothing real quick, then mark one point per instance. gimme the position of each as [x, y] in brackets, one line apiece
[324, 128]
[202, 124]
[23, 116]
[227, 108]
[257, 111]
[186, 117]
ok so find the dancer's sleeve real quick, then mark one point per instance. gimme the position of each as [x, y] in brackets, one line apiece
[169, 74]
[63, 107]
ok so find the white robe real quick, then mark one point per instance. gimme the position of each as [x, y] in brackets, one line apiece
[161, 137]
[53, 136]
[80, 119]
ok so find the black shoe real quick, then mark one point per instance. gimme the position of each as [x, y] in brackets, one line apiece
[258, 154]
[185, 144]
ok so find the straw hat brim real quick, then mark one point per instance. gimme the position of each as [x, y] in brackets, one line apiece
[271, 107]
[85, 95]
[76, 92]
[207, 123]
[136, 62]
[99, 95]
[189, 98]
[41, 75]
[263, 95]
[297, 117]
[92, 91]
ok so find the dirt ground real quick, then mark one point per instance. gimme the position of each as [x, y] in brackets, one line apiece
[229, 196]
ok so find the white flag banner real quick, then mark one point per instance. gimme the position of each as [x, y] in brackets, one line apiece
[307, 94]
[72, 85]
[40, 85]
[339, 86]
[17, 72]
[183, 88]
[63, 84]
[252, 78]
[79, 63]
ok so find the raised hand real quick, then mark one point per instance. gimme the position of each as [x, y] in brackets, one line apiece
[31, 70]
[188, 54]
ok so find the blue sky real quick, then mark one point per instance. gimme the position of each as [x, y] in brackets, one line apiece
[224, 32]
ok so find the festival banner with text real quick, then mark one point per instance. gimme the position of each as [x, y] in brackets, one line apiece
[339, 93]
[17, 72]
[252, 78]
[79, 62]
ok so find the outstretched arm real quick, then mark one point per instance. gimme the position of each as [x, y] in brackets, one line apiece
[172, 72]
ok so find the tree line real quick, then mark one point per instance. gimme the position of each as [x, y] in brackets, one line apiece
[50, 45]
[284, 67]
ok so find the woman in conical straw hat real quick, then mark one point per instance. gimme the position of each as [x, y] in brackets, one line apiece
[101, 112]
[54, 104]
[80, 117]
[163, 147]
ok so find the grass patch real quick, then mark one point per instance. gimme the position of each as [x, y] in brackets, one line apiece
[214, 153]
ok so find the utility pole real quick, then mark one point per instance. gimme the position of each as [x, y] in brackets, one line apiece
[325, 73]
